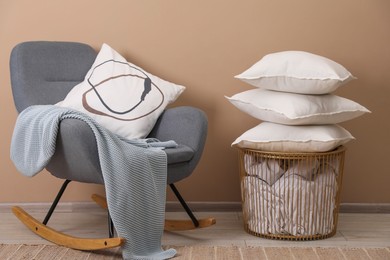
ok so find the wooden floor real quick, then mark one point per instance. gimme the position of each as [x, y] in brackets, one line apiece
[354, 230]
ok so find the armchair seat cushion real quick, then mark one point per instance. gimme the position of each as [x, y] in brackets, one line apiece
[180, 154]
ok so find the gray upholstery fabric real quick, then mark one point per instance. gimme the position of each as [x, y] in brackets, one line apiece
[44, 72]
[182, 153]
[187, 126]
[76, 157]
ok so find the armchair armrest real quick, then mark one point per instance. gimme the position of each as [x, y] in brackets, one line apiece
[185, 125]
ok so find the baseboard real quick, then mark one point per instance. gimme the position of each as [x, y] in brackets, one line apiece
[365, 208]
[202, 206]
[236, 206]
[171, 206]
[174, 206]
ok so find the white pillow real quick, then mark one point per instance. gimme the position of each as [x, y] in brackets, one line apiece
[120, 96]
[296, 109]
[296, 72]
[284, 138]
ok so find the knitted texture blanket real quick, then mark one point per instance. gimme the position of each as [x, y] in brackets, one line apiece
[134, 175]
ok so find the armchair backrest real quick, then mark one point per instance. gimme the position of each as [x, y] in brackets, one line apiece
[44, 72]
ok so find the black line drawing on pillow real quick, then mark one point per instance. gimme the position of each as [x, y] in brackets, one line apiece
[148, 85]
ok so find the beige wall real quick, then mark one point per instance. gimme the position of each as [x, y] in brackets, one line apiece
[202, 44]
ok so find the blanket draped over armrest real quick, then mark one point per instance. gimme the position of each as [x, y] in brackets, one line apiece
[134, 175]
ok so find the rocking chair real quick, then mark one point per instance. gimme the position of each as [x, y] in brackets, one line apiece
[43, 73]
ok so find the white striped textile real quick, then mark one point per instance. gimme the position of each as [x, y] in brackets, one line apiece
[134, 175]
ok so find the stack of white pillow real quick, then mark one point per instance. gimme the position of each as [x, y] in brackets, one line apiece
[293, 97]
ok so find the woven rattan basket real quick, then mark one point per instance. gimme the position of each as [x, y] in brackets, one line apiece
[291, 196]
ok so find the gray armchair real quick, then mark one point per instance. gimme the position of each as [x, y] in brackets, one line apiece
[43, 73]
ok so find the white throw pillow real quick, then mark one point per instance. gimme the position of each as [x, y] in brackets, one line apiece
[296, 72]
[284, 138]
[120, 96]
[296, 109]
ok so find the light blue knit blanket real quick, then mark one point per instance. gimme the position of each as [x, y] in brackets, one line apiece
[134, 175]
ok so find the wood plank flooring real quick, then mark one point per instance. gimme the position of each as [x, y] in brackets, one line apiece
[354, 230]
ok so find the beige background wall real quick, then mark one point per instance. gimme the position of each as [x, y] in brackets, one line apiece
[202, 44]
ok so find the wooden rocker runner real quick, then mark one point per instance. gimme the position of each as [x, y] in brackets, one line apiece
[62, 239]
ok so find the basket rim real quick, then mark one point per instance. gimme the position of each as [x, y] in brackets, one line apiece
[337, 150]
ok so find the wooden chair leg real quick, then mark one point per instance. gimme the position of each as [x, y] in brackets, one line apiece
[170, 225]
[63, 239]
